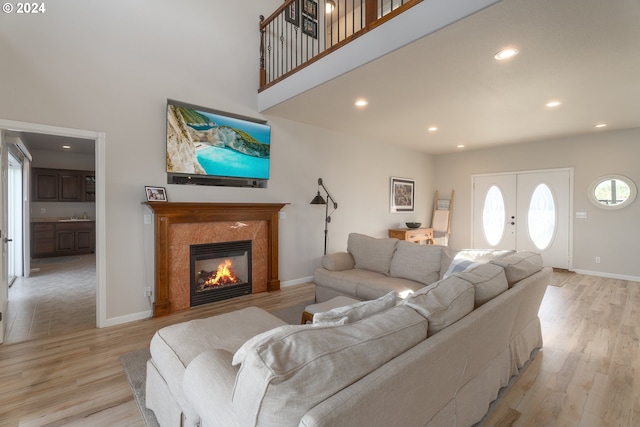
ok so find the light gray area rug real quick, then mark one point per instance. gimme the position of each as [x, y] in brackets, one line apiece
[135, 368]
[135, 363]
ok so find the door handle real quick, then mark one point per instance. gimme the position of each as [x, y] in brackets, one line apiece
[7, 240]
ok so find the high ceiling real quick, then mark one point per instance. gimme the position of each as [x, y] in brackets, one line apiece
[583, 53]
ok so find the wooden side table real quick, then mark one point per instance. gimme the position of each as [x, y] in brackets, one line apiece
[415, 235]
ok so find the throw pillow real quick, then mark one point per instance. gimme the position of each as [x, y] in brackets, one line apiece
[458, 266]
[489, 281]
[266, 336]
[520, 265]
[357, 311]
[443, 302]
[338, 261]
[370, 253]
[420, 263]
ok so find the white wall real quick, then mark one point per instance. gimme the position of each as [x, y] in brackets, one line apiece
[110, 67]
[614, 236]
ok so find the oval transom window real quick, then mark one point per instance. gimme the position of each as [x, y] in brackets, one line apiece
[541, 217]
[493, 216]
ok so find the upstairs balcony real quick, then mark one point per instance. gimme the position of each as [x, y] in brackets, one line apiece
[305, 43]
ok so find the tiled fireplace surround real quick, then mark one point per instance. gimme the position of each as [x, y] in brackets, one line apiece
[179, 225]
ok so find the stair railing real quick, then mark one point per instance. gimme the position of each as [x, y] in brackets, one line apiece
[300, 32]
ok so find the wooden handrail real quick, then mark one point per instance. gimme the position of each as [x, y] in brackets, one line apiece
[290, 40]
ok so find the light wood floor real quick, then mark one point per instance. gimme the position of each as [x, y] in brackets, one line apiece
[584, 375]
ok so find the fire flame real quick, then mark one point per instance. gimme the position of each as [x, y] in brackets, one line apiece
[224, 275]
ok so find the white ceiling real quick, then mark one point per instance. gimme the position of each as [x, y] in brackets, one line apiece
[44, 142]
[584, 53]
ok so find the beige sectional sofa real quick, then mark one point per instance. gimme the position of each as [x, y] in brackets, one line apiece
[436, 357]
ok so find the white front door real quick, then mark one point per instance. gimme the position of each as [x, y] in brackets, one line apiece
[494, 210]
[524, 211]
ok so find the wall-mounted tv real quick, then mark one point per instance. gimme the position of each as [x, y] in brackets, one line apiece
[211, 147]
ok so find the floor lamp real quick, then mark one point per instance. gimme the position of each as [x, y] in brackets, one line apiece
[319, 200]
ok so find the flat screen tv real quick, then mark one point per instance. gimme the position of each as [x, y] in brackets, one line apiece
[210, 147]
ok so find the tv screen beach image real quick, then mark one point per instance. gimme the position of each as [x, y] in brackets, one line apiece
[206, 143]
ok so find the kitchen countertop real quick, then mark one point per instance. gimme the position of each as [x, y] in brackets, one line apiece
[63, 219]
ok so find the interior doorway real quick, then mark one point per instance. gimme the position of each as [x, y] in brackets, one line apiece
[527, 210]
[96, 139]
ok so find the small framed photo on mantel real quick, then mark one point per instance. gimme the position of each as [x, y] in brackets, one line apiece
[155, 194]
[402, 195]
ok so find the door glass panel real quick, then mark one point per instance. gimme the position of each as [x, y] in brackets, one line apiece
[541, 217]
[493, 216]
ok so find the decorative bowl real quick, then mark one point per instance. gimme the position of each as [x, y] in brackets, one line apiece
[413, 224]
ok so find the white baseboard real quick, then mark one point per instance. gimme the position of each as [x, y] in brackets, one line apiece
[126, 319]
[608, 275]
[296, 281]
[147, 314]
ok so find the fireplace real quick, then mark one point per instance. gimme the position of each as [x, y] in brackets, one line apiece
[220, 271]
[177, 225]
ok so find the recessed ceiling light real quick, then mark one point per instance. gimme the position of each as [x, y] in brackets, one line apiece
[361, 103]
[66, 147]
[433, 129]
[601, 125]
[506, 53]
[460, 146]
[552, 104]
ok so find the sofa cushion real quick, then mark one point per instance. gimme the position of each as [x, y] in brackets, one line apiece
[520, 265]
[282, 379]
[357, 311]
[453, 259]
[264, 337]
[443, 302]
[483, 255]
[345, 282]
[370, 253]
[338, 261]
[488, 279]
[375, 287]
[458, 266]
[420, 263]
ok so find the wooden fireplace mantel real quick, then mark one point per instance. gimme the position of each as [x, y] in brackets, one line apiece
[168, 213]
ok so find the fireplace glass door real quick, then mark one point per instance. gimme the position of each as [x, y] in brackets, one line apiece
[220, 271]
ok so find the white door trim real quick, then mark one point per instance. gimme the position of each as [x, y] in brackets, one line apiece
[100, 139]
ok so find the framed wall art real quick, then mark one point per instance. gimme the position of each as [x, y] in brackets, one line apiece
[402, 195]
[292, 13]
[309, 27]
[310, 8]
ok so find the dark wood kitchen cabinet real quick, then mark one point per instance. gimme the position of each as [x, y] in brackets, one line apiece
[61, 185]
[75, 237]
[62, 238]
[43, 239]
[45, 185]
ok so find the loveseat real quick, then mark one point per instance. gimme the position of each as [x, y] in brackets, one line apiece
[436, 357]
[371, 267]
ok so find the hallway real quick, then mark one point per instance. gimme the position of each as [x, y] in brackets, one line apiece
[59, 297]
